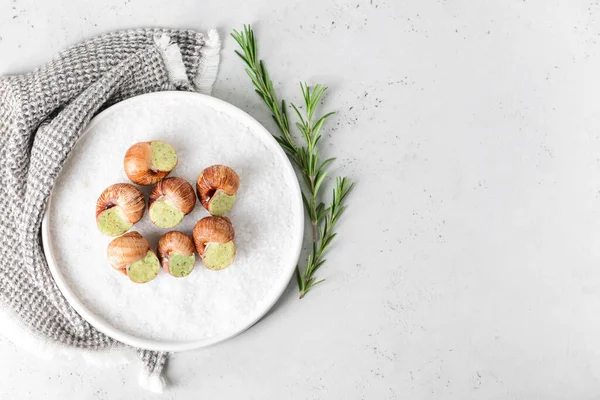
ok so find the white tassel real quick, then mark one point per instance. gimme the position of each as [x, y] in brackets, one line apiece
[151, 381]
[209, 63]
[172, 58]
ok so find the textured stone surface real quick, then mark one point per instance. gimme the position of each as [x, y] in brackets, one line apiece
[474, 125]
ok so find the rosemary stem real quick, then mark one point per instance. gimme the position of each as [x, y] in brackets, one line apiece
[306, 158]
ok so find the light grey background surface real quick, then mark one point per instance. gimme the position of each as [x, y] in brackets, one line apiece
[468, 264]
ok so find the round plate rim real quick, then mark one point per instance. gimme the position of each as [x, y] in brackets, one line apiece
[173, 346]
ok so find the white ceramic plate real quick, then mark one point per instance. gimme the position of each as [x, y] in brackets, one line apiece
[171, 314]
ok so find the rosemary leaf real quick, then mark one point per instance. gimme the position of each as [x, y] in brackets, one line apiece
[305, 157]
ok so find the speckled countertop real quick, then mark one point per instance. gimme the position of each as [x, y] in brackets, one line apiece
[468, 264]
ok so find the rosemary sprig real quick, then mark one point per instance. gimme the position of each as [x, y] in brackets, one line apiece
[305, 157]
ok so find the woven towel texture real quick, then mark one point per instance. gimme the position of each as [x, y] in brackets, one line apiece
[42, 115]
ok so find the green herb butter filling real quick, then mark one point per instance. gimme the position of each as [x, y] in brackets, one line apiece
[144, 270]
[219, 255]
[113, 222]
[221, 203]
[164, 214]
[164, 157]
[181, 265]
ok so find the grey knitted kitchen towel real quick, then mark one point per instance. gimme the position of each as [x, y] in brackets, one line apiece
[42, 115]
